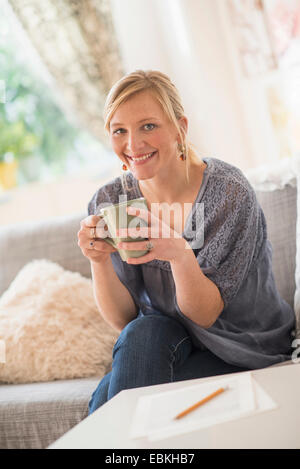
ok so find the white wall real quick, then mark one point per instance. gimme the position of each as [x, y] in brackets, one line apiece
[191, 41]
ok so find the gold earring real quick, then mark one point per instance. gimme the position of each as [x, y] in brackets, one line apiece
[182, 150]
[124, 167]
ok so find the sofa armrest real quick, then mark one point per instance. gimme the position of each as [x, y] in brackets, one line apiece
[54, 239]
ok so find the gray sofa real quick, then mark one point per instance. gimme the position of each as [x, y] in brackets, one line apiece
[35, 415]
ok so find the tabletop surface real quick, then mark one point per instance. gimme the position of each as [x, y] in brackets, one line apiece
[108, 427]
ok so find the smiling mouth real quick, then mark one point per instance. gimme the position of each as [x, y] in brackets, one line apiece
[141, 159]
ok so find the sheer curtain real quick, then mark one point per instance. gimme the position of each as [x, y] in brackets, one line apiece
[195, 42]
[76, 41]
[190, 45]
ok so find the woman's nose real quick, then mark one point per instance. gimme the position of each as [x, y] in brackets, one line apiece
[134, 144]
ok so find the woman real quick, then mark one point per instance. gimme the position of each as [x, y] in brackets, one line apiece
[194, 305]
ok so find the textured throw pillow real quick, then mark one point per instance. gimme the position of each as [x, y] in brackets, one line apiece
[51, 327]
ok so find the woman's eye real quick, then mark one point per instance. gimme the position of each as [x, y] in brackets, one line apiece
[145, 127]
[149, 126]
[119, 131]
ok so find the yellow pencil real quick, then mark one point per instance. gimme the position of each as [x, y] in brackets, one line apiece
[198, 404]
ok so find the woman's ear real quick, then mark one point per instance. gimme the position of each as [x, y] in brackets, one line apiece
[183, 125]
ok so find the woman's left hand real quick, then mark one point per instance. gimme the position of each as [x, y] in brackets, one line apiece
[168, 245]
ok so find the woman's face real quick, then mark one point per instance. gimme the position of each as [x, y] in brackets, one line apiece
[143, 137]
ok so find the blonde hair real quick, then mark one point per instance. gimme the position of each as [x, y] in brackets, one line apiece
[163, 90]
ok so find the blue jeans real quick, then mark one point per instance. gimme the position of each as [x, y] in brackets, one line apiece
[155, 349]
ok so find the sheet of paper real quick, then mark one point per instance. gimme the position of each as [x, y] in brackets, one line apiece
[154, 415]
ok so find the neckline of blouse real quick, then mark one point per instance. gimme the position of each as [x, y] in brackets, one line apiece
[198, 198]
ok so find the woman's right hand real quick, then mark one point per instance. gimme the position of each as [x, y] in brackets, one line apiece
[95, 249]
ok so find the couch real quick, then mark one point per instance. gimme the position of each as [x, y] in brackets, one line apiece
[35, 415]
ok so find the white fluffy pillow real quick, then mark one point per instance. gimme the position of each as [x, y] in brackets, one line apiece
[51, 327]
[272, 176]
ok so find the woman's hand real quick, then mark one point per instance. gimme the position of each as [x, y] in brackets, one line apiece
[168, 245]
[90, 240]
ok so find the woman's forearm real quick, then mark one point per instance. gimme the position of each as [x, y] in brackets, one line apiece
[113, 300]
[197, 297]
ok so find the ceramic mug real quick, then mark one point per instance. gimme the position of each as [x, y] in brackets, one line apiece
[116, 217]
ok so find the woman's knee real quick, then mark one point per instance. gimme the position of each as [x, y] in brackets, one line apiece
[151, 332]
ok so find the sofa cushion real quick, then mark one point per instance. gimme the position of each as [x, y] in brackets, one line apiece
[54, 239]
[296, 343]
[32, 416]
[280, 209]
[51, 327]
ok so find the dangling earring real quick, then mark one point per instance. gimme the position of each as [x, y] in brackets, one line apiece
[124, 167]
[182, 151]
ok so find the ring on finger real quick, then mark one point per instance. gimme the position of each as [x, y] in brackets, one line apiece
[93, 232]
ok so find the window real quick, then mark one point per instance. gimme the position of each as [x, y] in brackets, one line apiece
[37, 135]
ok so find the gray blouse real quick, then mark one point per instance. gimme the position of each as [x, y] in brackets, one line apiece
[227, 231]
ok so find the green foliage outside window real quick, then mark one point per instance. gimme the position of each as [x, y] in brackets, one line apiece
[32, 126]
[15, 140]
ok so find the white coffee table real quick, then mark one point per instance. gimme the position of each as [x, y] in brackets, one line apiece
[108, 427]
